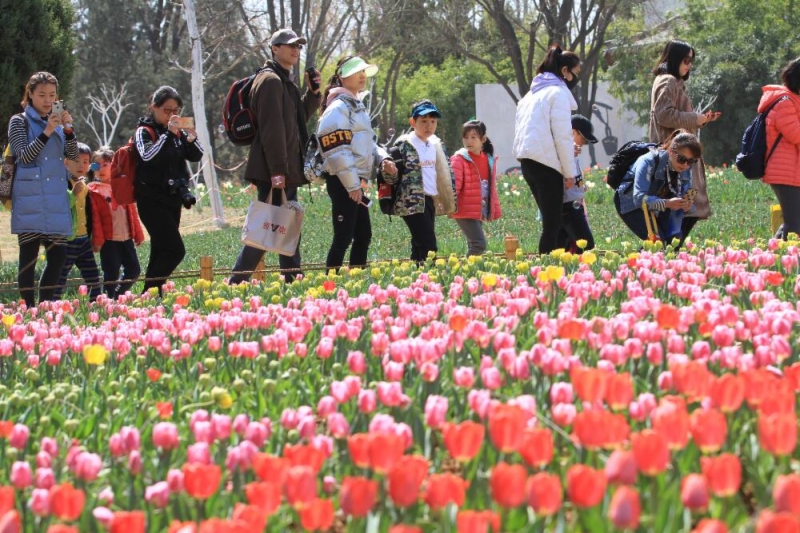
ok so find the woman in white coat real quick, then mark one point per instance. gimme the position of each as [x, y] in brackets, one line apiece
[543, 138]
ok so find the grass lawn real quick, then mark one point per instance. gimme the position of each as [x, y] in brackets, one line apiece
[741, 211]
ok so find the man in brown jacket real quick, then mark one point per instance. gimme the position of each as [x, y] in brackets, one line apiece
[277, 152]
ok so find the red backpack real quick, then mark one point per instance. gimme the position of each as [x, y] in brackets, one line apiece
[123, 171]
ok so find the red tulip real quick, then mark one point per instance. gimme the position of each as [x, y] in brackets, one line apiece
[304, 455]
[692, 379]
[619, 391]
[264, 495]
[625, 508]
[317, 515]
[585, 485]
[786, 494]
[694, 492]
[385, 449]
[590, 428]
[650, 452]
[506, 425]
[573, 330]
[128, 522]
[7, 499]
[668, 317]
[406, 478]
[403, 528]
[53, 528]
[672, 421]
[537, 447]
[589, 383]
[201, 481]
[270, 468]
[727, 392]
[708, 525]
[477, 522]
[251, 517]
[357, 496]
[769, 522]
[463, 440]
[443, 489]
[545, 494]
[709, 429]
[777, 433]
[508, 484]
[66, 502]
[759, 384]
[358, 446]
[723, 474]
[11, 522]
[300, 486]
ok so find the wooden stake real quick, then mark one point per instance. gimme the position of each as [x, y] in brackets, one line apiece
[207, 268]
[259, 273]
[512, 245]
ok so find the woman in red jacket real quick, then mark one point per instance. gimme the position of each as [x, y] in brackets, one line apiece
[475, 170]
[783, 126]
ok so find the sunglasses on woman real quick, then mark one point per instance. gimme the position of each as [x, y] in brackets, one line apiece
[683, 160]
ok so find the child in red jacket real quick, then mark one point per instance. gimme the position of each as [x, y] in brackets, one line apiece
[475, 171]
[116, 230]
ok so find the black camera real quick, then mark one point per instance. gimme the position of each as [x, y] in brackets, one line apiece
[181, 188]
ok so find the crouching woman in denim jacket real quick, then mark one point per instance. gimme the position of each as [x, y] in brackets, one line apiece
[660, 179]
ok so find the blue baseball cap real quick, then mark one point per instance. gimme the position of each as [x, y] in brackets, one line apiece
[425, 108]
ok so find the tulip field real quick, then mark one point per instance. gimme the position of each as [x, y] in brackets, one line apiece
[639, 389]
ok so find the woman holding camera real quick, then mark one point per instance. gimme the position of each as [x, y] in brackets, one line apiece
[40, 138]
[162, 181]
[351, 155]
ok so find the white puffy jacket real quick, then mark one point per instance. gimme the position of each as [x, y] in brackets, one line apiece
[347, 141]
[543, 128]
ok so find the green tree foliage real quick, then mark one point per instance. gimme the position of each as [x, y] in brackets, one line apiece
[36, 35]
[741, 46]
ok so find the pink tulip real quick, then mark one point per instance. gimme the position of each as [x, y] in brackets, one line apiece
[104, 516]
[435, 411]
[116, 445]
[175, 480]
[201, 415]
[135, 462]
[326, 406]
[393, 371]
[165, 436]
[130, 436]
[307, 427]
[429, 372]
[21, 476]
[329, 484]
[561, 392]
[221, 426]
[19, 435]
[621, 468]
[49, 446]
[289, 419]
[40, 502]
[106, 496]
[353, 385]
[43, 460]
[464, 377]
[563, 414]
[256, 433]
[338, 425]
[356, 362]
[367, 401]
[87, 466]
[45, 478]
[157, 494]
[240, 424]
[203, 431]
[198, 452]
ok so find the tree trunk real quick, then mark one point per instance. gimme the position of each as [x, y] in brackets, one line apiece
[199, 107]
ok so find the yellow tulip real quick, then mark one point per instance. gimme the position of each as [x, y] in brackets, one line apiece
[94, 354]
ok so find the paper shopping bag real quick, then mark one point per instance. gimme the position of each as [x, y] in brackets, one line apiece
[274, 228]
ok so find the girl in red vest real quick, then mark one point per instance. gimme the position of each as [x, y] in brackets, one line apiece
[115, 230]
[475, 171]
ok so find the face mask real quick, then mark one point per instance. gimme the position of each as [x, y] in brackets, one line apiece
[572, 83]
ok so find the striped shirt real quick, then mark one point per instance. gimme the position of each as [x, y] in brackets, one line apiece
[149, 149]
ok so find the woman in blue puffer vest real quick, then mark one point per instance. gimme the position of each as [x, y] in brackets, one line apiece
[40, 139]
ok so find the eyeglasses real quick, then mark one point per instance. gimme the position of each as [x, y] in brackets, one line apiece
[171, 110]
[683, 160]
[688, 61]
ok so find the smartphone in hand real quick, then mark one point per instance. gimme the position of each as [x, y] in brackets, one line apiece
[186, 123]
[58, 108]
[690, 194]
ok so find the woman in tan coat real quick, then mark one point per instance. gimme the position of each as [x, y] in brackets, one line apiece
[671, 109]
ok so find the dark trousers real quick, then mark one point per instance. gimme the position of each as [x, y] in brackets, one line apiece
[636, 223]
[423, 231]
[249, 257]
[79, 254]
[686, 226]
[166, 245]
[547, 186]
[351, 224]
[28, 253]
[789, 198]
[574, 227]
[113, 256]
